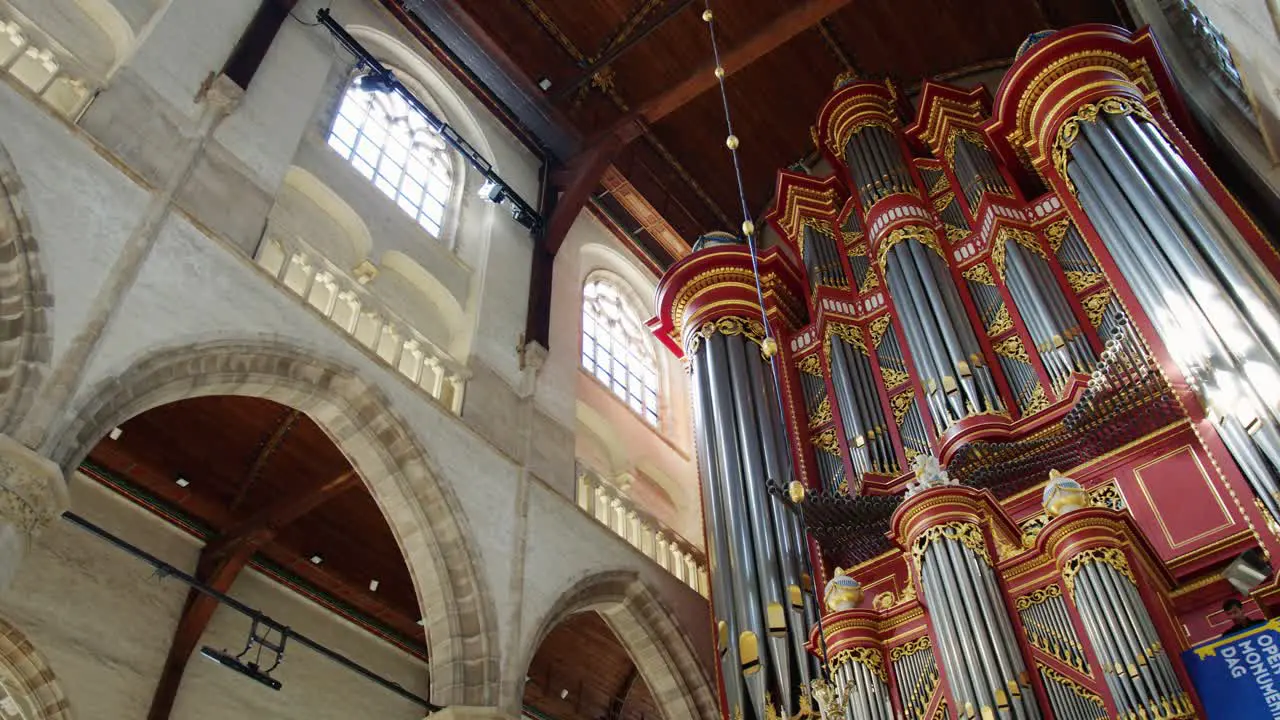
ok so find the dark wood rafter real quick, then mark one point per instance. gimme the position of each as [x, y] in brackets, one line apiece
[619, 702]
[837, 47]
[778, 32]
[260, 459]
[220, 564]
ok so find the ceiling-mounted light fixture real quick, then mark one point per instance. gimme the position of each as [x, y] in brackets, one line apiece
[544, 84]
[115, 433]
[182, 482]
[373, 586]
[316, 559]
[253, 668]
[494, 192]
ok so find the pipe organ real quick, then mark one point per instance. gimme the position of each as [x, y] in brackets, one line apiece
[1011, 370]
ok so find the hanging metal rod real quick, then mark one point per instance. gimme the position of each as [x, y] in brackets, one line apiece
[164, 569]
[523, 212]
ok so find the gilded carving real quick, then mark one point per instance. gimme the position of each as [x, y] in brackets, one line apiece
[1109, 556]
[869, 657]
[1057, 232]
[1001, 324]
[1095, 306]
[871, 281]
[910, 648]
[1037, 402]
[826, 441]
[980, 273]
[1106, 495]
[940, 203]
[1070, 130]
[1076, 688]
[940, 184]
[964, 532]
[924, 235]
[822, 415]
[810, 365]
[893, 377]
[954, 233]
[965, 134]
[1037, 597]
[1021, 237]
[752, 329]
[901, 404]
[878, 328]
[1011, 347]
[1080, 279]
[847, 333]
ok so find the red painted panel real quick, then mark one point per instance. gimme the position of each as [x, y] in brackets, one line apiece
[1179, 501]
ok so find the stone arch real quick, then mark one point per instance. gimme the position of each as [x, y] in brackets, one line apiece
[26, 305]
[661, 651]
[27, 668]
[423, 513]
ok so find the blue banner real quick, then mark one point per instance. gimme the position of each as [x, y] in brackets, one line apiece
[1238, 677]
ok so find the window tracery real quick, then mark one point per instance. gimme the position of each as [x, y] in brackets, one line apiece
[390, 144]
[616, 349]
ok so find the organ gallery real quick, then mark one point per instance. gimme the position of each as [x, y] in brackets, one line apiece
[986, 432]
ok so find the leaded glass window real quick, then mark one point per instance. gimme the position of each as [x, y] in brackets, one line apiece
[391, 144]
[616, 348]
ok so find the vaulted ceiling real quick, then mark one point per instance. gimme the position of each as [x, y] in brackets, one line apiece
[581, 672]
[644, 66]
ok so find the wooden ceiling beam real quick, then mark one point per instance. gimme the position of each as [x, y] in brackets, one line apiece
[773, 35]
[220, 564]
[270, 520]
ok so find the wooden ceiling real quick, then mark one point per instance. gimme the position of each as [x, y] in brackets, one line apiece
[265, 486]
[582, 659]
[679, 163]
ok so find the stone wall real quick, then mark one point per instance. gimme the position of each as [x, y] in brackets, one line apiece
[155, 296]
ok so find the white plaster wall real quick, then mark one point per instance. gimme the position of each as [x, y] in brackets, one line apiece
[105, 622]
[82, 208]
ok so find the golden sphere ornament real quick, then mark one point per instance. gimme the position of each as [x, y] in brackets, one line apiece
[748, 227]
[795, 489]
[731, 142]
[720, 72]
[769, 347]
[707, 15]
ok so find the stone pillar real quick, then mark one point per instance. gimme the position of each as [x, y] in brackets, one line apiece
[33, 493]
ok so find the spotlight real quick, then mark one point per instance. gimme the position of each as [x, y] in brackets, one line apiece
[182, 482]
[1248, 571]
[115, 433]
[544, 84]
[316, 559]
[492, 191]
[249, 670]
[252, 668]
[373, 586]
[374, 82]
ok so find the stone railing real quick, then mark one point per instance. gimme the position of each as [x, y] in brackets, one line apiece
[611, 508]
[29, 58]
[353, 308]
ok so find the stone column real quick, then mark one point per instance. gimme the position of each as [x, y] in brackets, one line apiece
[33, 493]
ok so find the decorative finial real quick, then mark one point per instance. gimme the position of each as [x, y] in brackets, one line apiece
[796, 491]
[843, 592]
[1063, 495]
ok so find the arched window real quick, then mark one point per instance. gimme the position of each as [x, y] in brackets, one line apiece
[616, 348]
[390, 144]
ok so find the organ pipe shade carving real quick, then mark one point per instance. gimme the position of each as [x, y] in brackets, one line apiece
[1208, 295]
[867, 434]
[1062, 347]
[893, 369]
[1069, 700]
[983, 664]
[860, 676]
[1138, 672]
[753, 539]
[942, 342]
[876, 164]
[916, 670]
